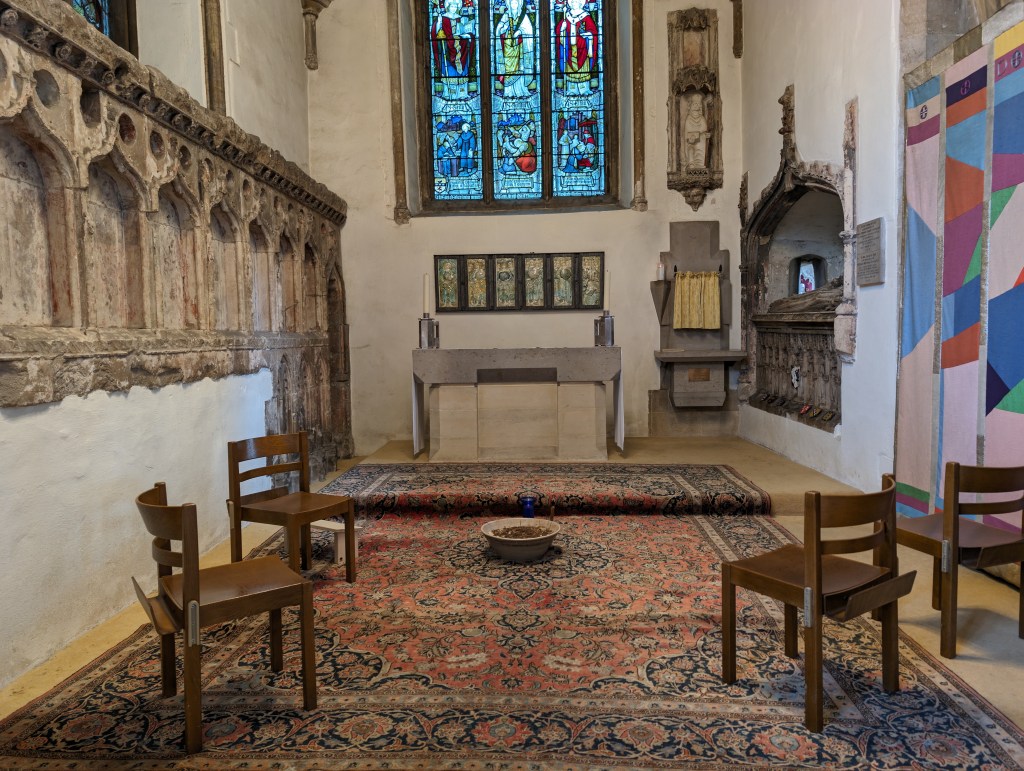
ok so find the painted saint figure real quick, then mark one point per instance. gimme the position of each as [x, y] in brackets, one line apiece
[453, 42]
[576, 147]
[467, 150]
[515, 33]
[518, 151]
[695, 133]
[576, 38]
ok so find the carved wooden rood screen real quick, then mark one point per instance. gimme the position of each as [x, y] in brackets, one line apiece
[151, 241]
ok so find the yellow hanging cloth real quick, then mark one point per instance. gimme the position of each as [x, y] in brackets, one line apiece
[697, 302]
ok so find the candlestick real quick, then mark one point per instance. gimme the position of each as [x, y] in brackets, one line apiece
[607, 290]
[426, 294]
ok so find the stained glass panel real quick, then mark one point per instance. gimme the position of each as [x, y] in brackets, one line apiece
[455, 99]
[533, 270]
[95, 12]
[515, 100]
[577, 97]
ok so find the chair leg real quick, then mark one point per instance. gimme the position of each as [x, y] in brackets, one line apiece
[1020, 611]
[728, 626]
[308, 648]
[947, 633]
[235, 534]
[936, 584]
[890, 647]
[307, 546]
[168, 674]
[294, 544]
[193, 697]
[792, 645]
[350, 544]
[276, 641]
[813, 696]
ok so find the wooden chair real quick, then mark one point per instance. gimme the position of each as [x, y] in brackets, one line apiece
[952, 541]
[295, 512]
[194, 598]
[816, 578]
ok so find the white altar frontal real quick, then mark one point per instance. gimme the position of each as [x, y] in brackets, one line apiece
[515, 403]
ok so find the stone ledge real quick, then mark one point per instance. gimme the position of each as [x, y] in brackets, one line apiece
[42, 365]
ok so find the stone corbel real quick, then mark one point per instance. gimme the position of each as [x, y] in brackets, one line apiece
[311, 10]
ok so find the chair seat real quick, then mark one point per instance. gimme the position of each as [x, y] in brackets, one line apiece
[780, 574]
[307, 507]
[973, 534]
[250, 586]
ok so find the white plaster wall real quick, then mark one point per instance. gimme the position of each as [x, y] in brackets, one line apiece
[265, 72]
[351, 152]
[834, 51]
[171, 39]
[72, 471]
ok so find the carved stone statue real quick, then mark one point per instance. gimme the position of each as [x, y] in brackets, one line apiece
[695, 133]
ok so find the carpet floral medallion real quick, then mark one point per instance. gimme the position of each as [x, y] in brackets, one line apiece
[603, 655]
[579, 488]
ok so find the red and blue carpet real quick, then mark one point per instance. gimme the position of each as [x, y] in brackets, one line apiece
[604, 655]
[580, 488]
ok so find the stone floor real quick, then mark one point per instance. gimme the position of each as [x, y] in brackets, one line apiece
[990, 658]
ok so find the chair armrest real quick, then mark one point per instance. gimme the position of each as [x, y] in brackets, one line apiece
[875, 596]
[157, 610]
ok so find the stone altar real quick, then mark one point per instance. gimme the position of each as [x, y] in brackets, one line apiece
[515, 403]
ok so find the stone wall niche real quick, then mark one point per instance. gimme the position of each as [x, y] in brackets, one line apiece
[797, 336]
[695, 105]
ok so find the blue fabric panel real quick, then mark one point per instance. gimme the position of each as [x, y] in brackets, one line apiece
[1009, 87]
[962, 309]
[966, 141]
[918, 96]
[1006, 336]
[1007, 133]
[918, 283]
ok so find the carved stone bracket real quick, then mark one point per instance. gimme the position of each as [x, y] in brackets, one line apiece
[311, 10]
[695, 105]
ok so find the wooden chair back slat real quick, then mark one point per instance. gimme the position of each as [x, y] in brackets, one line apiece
[269, 470]
[855, 544]
[991, 507]
[266, 446]
[991, 479]
[856, 509]
[164, 555]
[269, 447]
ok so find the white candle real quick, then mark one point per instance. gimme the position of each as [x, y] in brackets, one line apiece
[426, 294]
[607, 290]
[661, 271]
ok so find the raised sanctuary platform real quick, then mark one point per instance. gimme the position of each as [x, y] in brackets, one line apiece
[578, 488]
[524, 404]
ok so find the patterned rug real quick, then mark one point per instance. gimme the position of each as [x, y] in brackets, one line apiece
[604, 655]
[579, 488]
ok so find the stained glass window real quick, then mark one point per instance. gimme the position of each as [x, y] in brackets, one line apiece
[519, 102]
[96, 12]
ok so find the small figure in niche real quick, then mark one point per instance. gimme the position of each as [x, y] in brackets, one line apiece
[695, 133]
